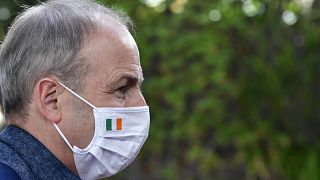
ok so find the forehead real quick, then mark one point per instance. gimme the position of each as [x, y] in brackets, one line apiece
[111, 53]
[110, 43]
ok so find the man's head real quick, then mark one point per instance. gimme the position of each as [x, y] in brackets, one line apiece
[46, 40]
[81, 44]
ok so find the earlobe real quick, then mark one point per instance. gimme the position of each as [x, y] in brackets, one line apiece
[46, 98]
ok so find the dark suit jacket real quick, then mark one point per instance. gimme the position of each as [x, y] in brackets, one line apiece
[25, 156]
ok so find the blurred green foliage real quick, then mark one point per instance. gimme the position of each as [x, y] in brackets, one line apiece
[232, 86]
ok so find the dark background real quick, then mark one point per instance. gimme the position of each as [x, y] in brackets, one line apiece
[233, 87]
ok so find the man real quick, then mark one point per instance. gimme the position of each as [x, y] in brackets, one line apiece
[70, 81]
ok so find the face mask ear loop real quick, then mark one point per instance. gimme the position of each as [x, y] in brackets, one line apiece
[87, 102]
[63, 137]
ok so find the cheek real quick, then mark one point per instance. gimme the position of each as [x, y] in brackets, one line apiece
[112, 100]
[82, 125]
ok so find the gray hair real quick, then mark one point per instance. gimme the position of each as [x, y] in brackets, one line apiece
[43, 41]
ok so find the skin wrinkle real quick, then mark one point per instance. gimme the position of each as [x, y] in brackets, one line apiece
[112, 82]
[135, 74]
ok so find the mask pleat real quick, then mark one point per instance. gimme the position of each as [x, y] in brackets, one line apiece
[127, 137]
[116, 146]
[87, 171]
[105, 157]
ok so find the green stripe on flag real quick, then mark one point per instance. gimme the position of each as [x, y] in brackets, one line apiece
[108, 124]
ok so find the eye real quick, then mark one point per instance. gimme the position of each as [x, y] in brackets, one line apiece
[122, 89]
[125, 87]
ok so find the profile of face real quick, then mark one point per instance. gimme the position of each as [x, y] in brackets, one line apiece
[113, 80]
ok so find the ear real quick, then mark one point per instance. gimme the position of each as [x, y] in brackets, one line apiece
[46, 98]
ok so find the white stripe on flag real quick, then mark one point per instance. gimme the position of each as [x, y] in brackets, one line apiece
[114, 124]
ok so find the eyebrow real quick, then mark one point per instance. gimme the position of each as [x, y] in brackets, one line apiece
[131, 78]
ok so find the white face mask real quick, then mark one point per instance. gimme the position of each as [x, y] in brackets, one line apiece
[118, 137]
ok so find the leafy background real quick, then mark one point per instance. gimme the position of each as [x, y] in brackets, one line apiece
[232, 86]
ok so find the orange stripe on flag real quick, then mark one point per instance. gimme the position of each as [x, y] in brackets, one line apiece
[119, 123]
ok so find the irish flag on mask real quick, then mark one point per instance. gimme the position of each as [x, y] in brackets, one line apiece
[114, 124]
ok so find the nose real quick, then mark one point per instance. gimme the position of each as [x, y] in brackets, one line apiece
[137, 100]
